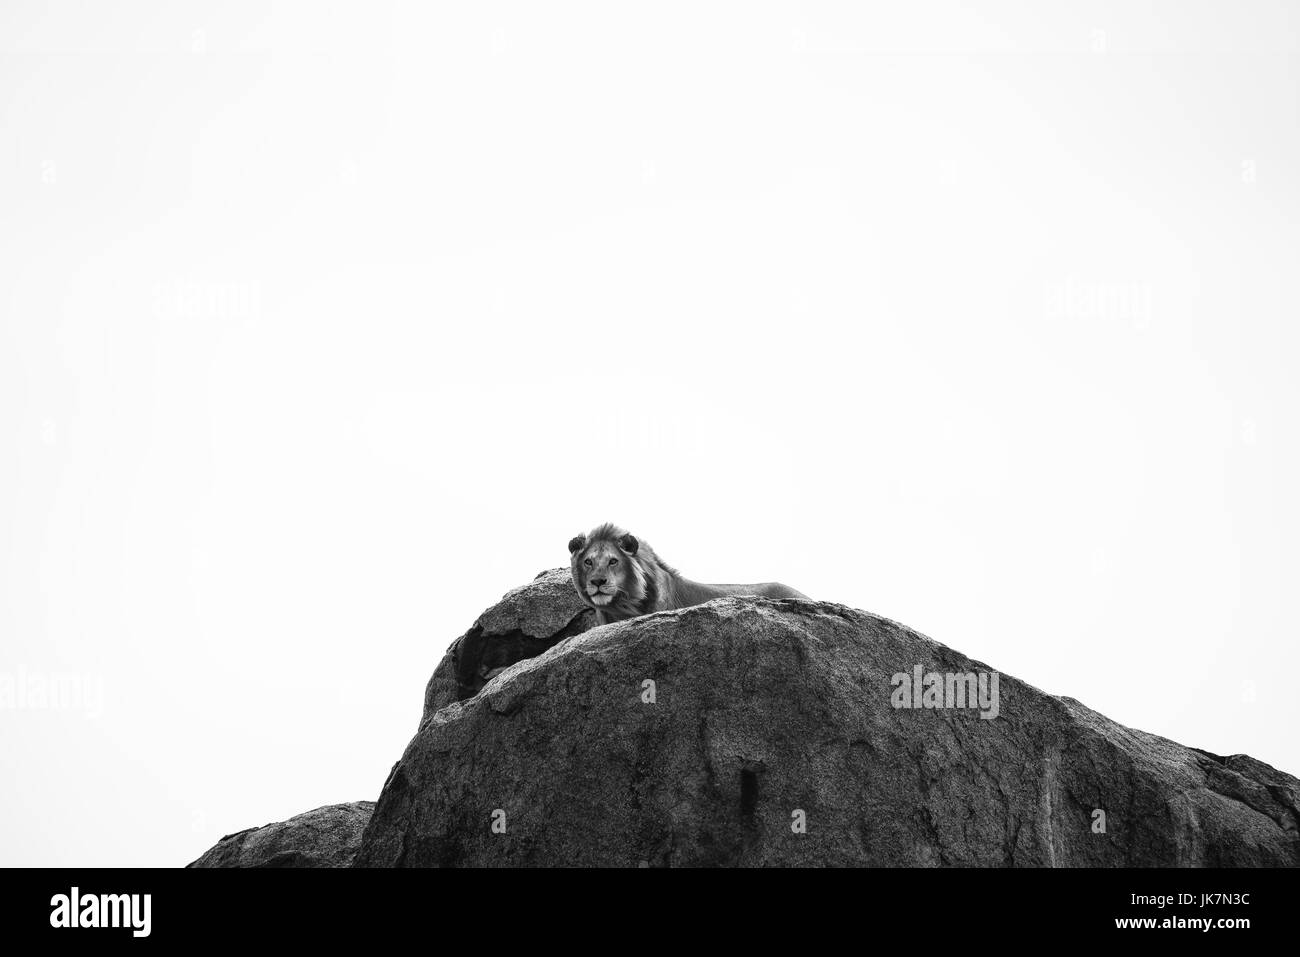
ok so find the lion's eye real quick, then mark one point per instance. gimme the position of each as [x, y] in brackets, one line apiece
[587, 563]
[613, 561]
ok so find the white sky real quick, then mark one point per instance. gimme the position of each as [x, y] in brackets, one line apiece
[323, 324]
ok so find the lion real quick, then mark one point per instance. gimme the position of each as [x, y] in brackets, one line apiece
[620, 577]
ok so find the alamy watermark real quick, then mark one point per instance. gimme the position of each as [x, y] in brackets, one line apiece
[76, 909]
[1128, 303]
[24, 690]
[936, 689]
[207, 300]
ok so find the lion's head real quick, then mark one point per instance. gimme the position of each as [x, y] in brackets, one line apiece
[605, 567]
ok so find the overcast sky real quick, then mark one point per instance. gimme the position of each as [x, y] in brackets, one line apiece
[322, 325]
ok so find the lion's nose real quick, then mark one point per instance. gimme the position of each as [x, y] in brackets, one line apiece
[599, 581]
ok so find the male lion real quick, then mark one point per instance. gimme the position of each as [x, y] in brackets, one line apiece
[621, 578]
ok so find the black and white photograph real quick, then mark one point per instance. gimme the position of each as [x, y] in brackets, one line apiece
[827, 450]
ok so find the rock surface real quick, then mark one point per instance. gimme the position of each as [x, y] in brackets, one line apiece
[326, 837]
[761, 732]
[769, 712]
[524, 623]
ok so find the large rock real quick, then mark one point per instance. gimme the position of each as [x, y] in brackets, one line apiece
[326, 837]
[524, 623]
[767, 713]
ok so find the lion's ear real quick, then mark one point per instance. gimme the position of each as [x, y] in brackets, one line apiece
[629, 544]
[576, 542]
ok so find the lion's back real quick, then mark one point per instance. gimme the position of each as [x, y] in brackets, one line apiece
[759, 590]
[777, 590]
